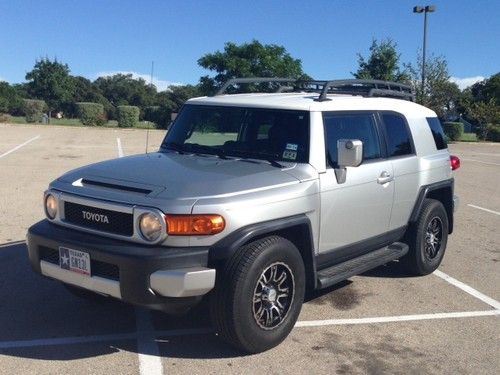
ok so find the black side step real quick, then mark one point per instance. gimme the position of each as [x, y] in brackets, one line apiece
[340, 272]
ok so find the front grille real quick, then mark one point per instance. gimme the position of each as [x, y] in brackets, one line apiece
[99, 219]
[97, 268]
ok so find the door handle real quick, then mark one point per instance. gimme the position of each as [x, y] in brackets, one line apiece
[384, 178]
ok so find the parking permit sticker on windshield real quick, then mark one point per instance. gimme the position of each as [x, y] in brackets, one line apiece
[291, 155]
[291, 146]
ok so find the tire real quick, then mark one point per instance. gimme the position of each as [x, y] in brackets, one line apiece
[86, 294]
[271, 270]
[427, 239]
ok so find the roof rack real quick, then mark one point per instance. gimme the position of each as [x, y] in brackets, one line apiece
[362, 87]
[236, 81]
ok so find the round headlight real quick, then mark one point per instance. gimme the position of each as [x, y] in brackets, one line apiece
[150, 226]
[50, 206]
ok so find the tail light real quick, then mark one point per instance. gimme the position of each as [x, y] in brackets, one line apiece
[194, 225]
[454, 162]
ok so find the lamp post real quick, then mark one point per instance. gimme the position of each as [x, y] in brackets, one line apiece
[424, 9]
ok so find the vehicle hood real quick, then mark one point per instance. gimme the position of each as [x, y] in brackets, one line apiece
[180, 176]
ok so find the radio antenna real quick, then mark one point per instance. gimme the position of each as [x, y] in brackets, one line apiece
[150, 84]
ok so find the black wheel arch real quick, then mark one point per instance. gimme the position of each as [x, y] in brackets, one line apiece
[441, 191]
[297, 229]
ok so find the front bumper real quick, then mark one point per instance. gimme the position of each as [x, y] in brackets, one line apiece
[168, 279]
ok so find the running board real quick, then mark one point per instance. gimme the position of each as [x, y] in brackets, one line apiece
[340, 272]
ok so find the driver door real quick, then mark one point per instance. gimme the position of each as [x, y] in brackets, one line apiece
[356, 212]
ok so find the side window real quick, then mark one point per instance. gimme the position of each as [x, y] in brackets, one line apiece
[437, 132]
[397, 134]
[360, 126]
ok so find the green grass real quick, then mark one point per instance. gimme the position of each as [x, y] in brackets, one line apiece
[468, 137]
[76, 122]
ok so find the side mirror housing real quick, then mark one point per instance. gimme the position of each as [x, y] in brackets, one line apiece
[350, 152]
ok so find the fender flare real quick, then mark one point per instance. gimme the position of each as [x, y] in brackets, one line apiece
[426, 191]
[225, 248]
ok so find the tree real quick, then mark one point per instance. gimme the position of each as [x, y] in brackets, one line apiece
[480, 105]
[123, 89]
[10, 100]
[383, 63]
[485, 115]
[486, 90]
[439, 94]
[86, 91]
[177, 95]
[248, 60]
[50, 81]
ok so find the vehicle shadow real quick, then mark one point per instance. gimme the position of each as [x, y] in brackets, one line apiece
[35, 311]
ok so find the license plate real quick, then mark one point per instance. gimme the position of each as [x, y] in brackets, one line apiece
[74, 260]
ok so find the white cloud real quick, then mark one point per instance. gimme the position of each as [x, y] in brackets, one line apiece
[161, 85]
[463, 83]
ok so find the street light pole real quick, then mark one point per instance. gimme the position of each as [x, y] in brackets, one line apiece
[424, 9]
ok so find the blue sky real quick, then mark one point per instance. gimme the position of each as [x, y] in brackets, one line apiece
[98, 37]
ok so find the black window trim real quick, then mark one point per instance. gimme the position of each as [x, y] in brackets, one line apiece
[385, 135]
[378, 129]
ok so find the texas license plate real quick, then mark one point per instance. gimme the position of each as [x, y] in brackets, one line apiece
[74, 260]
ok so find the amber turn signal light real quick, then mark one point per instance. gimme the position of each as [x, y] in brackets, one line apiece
[194, 225]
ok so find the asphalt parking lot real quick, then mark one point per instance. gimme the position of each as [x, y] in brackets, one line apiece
[379, 322]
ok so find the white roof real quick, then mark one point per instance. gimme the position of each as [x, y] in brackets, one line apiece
[305, 102]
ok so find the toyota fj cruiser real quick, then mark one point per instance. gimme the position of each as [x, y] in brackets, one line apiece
[254, 199]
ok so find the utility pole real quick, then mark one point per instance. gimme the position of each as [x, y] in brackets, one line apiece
[424, 9]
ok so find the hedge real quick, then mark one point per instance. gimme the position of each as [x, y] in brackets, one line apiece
[91, 114]
[453, 130]
[33, 109]
[160, 115]
[127, 116]
[493, 133]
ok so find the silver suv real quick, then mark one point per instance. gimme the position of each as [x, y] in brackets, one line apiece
[253, 200]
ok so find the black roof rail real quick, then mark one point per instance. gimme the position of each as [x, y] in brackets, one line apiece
[363, 87]
[235, 81]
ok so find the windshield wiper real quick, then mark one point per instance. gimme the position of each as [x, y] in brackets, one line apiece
[203, 149]
[174, 146]
[269, 157]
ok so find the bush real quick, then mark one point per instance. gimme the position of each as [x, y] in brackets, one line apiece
[493, 133]
[127, 116]
[33, 109]
[160, 115]
[5, 117]
[453, 130]
[91, 114]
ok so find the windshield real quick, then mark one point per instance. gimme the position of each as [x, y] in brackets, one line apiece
[255, 133]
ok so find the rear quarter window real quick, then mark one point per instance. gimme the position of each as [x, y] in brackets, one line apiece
[399, 142]
[437, 132]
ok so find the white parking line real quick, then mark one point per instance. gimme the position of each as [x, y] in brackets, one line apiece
[120, 149]
[484, 209]
[473, 292]
[19, 146]
[483, 153]
[149, 353]
[202, 331]
[479, 161]
[392, 319]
